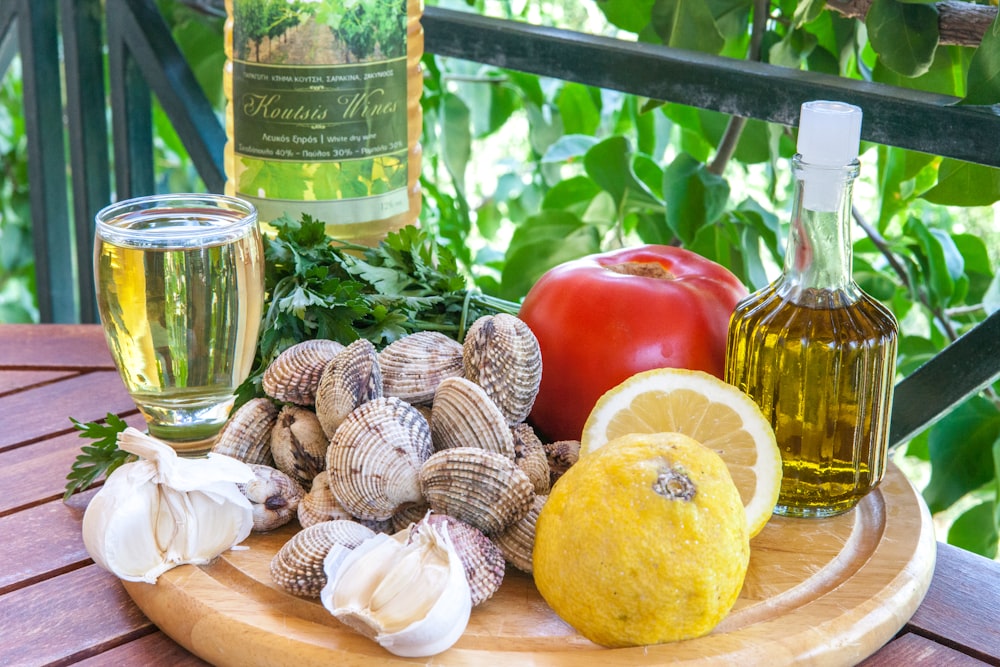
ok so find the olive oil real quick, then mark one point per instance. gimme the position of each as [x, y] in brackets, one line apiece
[813, 350]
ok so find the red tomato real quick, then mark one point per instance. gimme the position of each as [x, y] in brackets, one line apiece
[602, 318]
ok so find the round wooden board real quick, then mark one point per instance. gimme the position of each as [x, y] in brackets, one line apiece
[821, 591]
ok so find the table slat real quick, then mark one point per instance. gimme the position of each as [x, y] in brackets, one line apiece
[67, 625]
[916, 651]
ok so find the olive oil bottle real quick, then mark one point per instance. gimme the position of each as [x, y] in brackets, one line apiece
[813, 350]
[323, 112]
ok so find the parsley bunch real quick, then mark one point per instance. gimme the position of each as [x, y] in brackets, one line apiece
[320, 287]
[99, 458]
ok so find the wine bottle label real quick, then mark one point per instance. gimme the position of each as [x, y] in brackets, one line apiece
[320, 108]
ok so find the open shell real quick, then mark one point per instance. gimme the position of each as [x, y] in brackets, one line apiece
[273, 495]
[414, 365]
[298, 565]
[350, 379]
[529, 455]
[375, 457]
[247, 434]
[298, 444]
[464, 416]
[501, 354]
[481, 488]
[294, 374]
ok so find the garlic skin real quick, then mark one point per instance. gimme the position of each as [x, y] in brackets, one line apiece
[162, 510]
[406, 591]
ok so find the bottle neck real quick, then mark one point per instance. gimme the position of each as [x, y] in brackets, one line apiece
[819, 255]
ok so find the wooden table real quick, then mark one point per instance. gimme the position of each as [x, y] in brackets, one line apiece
[58, 608]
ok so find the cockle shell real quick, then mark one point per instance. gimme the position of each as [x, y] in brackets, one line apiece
[350, 379]
[517, 542]
[464, 416]
[479, 487]
[483, 561]
[414, 365]
[319, 504]
[375, 457]
[298, 565]
[529, 455]
[247, 434]
[273, 495]
[409, 514]
[501, 354]
[561, 455]
[294, 374]
[298, 444]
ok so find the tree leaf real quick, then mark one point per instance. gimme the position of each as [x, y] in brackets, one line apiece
[961, 452]
[579, 108]
[630, 15]
[976, 530]
[609, 164]
[456, 138]
[694, 196]
[569, 147]
[686, 24]
[965, 184]
[984, 70]
[941, 262]
[541, 242]
[904, 35]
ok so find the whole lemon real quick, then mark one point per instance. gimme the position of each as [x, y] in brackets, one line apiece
[644, 541]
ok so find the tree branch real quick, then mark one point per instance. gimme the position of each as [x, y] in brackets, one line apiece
[959, 23]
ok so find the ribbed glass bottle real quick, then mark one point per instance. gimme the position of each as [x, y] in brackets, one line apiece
[323, 113]
[817, 353]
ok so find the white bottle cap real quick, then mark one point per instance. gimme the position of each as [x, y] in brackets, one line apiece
[829, 138]
[829, 133]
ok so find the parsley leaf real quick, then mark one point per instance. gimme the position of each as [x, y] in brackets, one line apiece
[100, 458]
[321, 287]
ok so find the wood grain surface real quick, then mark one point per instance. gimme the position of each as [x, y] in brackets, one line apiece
[828, 591]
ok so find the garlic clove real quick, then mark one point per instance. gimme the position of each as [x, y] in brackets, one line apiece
[406, 591]
[162, 511]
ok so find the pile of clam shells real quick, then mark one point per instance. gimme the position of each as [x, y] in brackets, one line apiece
[351, 441]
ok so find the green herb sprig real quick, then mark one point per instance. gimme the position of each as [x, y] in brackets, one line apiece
[100, 458]
[322, 287]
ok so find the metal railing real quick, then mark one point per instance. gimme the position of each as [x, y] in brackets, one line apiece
[143, 61]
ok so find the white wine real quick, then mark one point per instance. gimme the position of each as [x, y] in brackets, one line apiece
[323, 114]
[180, 293]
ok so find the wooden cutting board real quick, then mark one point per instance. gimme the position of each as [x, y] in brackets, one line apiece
[818, 591]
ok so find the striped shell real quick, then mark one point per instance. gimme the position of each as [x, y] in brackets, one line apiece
[375, 457]
[247, 434]
[501, 354]
[518, 541]
[482, 488]
[294, 374]
[464, 416]
[298, 444]
[414, 365]
[319, 505]
[483, 561]
[529, 455]
[561, 454]
[298, 565]
[273, 495]
[350, 379]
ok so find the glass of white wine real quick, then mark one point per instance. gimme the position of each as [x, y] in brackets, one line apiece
[180, 291]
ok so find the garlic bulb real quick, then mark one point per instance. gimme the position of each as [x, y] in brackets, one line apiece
[162, 510]
[406, 591]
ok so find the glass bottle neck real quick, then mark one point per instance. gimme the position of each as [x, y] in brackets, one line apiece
[819, 254]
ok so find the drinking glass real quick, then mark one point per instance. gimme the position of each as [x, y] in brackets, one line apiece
[180, 290]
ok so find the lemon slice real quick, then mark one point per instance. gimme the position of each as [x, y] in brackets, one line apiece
[703, 407]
